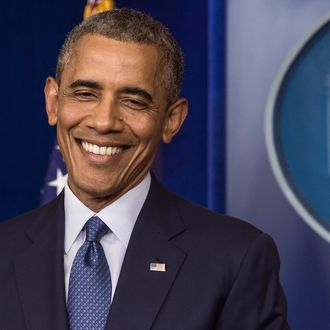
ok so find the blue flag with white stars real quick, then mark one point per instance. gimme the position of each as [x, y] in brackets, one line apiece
[56, 176]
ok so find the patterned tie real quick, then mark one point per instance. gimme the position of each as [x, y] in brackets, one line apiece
[89, 295]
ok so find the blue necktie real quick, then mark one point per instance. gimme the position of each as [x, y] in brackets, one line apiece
[89, 295]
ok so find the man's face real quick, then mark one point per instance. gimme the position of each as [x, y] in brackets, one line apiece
[111, 112]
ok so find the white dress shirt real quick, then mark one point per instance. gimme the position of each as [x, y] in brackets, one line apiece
[120, 217]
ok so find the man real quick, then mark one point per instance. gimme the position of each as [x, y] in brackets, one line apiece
[116, 250]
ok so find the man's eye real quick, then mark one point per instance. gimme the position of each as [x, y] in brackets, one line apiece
[134, 104]
[85, 95]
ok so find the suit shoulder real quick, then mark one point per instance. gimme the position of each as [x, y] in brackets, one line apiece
[213, 226]
[17, 225]
[201, 215]
[225, 240]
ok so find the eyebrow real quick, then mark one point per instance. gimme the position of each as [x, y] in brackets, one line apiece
[136, 91]
[85, 83]
[127, 89]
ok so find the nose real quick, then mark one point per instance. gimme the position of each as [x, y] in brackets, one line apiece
[105, 117]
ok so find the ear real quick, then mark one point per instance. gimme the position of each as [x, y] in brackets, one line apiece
[51, 97]
[175, 116]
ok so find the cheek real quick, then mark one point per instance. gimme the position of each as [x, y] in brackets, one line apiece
[69, 116]
[147, 130]
[68, 119]
[144, 125]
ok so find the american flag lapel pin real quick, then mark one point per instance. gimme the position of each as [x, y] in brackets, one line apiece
[157, 267]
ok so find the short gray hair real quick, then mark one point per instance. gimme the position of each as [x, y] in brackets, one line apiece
[132, 26]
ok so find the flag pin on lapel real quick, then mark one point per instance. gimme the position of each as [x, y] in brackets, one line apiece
[157, 267]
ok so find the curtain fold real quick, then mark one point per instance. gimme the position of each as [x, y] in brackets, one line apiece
[216, 114]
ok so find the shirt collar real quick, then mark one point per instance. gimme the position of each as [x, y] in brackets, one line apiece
[120, 216]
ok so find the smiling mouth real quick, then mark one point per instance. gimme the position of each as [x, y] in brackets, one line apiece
[101, 150]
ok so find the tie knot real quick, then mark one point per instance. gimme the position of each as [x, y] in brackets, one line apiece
[95, 229]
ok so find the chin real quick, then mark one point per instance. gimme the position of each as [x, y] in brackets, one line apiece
[97, 191]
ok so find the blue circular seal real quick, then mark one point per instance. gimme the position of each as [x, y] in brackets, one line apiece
[298, 128]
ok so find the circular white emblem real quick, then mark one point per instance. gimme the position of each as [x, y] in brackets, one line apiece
[298, 128]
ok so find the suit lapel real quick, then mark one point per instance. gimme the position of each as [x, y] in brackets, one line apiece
[39, 270]
[141, 292]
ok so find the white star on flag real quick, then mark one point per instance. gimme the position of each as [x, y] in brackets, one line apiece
[59, 182]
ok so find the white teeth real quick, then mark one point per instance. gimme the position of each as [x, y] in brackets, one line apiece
[109, 151]
[97, 150]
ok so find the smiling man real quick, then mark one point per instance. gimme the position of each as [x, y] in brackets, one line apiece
[111, 110]
[115, 250]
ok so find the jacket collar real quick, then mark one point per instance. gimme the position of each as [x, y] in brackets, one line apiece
[39, 269]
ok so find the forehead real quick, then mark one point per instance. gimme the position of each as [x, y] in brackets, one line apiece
[100, 58]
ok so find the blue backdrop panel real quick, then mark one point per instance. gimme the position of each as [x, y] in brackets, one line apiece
[31, 33]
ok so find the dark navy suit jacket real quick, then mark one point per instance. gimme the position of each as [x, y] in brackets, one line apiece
[221, 273]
